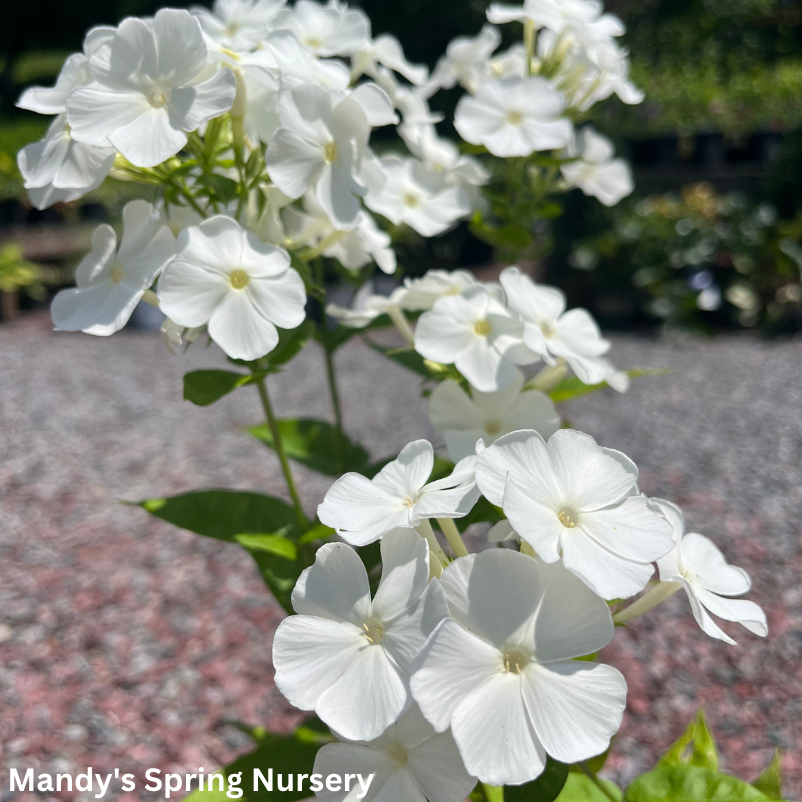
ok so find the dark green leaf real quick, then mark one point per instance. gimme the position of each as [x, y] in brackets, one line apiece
[287, 755]
[290, 343]
[204, 387]
[544, 788]
[686, 783]
[770, 780]
[316, 444]
[695, 747]
[225, 189]
[406, 357]
[518, 239]
[580, 788]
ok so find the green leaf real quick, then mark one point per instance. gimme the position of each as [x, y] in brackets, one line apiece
[244, 518]
[686, 783]
[513, 237]
[595, 764]
[316, 444]
[695, 747]
[406, 357]
[204, 387]
[545, 788]
[285, 754]
[290, 343]
[770, 780]
[580, 788]
[223, 187]
[573, 387]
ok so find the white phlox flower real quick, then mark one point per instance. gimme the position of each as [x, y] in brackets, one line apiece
[387, 51]
[514, 116]
[466, 62]
[556, 15]
[142, 99]
[282, 51]
[330, 30]
[575, 501]
[111, 281]
[352, 249]
[320, 145]
[242, 288]
[367, 306]
[178, 338]
[53, 100]
[424, 291]
[553, 333]
[697, 566]
[595, 170]
[348, 657]
[500, 672]
[464, 419]
[363, 510]
[410, 763]
[59, 169]
[238, 25]
[476, 332]
[418, 197]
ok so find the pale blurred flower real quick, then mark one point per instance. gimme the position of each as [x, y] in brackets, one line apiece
[595, 170]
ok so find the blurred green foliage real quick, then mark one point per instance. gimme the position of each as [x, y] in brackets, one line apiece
[700, 259]
[18, 274]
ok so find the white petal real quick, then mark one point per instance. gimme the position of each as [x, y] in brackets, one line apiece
[534, 521]
[280, 299]
[437, 768]
[310, 654]
[706, 623]
[338, 193]
[189, 293]
[494, 735]
[743, 611]
[293, 163]
[348, 758]
[150, 139]
[452, 664]
[589, 478]
[191, 106]
[408, 472]
[602, 571]
[335, 586]
[450, 407]
[484, 367]
[710, 567]
[180, 47]
[101, 309]
[575, 707]
[94, 113]
[240, 329]
[368, 697]
[405, 573]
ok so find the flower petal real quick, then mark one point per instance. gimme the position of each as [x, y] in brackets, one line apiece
[405, 573]
[408, 472]
[743, 611]
[239, 328]
[711, 569]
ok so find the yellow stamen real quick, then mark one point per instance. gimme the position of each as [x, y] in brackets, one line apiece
[481, 328]
[515, 661]
[239, 279]
[565, 520]
[330, 152]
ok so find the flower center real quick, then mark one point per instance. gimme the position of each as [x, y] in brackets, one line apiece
[481, 328]
[373, 630]
[313, 42]
[157, 99]
[411, 201]
[117, 274]
[330, 152]
[515, 117]
[398, 754]
[238, 279]
[547, 330]
[567, 519]
[493, 427]
[515, 661]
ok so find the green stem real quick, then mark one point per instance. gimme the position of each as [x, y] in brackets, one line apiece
[278, 444]
[449, 529]
[658, 594]
[595, 780]
[437, 557]
[187, 195]
[334, 390]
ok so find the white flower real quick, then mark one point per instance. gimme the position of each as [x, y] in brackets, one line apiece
[466, 62]
[556, 15]
[352, 249]
[330, 30]
[111, 282]
[463, 419]
[478, 334]
[574, 501]
[363, 510]
[410, 763]
[551, 332]
[424, 291]
[348, 657]
[320, 146]
[595, 171]
[281, 50]
[175, 336]
[242, 288]
[514, 117]
[142, 100]
[697, 565]
[53, 100]
[366, 307]
[500, 672]
[59, 169]
[387, 50]
[418, 197]
[238, 24]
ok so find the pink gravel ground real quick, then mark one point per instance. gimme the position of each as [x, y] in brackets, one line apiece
[127, 644]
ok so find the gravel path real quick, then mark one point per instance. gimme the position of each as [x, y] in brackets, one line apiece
[125, 643]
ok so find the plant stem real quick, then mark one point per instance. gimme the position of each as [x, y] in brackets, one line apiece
[595, 780]
[278, 444]
[333, 389]
[659, 593]
[449, 529]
